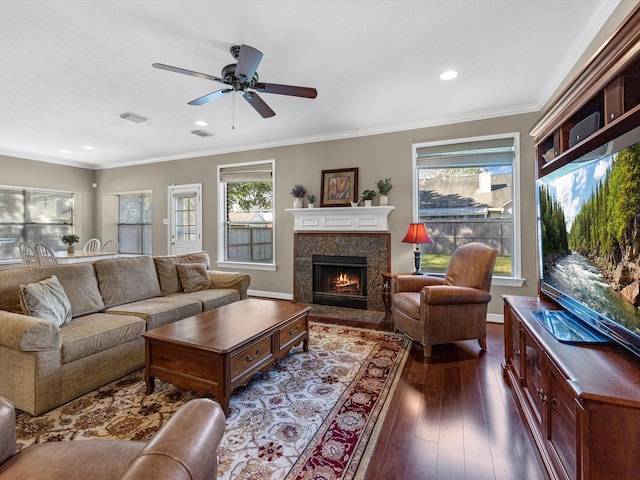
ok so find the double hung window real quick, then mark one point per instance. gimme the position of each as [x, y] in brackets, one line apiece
[246, 227]
[33, 216]
[134, 223]
[465, 192]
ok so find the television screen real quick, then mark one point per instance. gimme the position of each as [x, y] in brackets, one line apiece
[589, 238]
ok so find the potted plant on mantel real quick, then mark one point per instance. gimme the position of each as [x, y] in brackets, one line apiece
[311, 199]
[368, 196]
[384, 187]
[69, 240]
[298, 192]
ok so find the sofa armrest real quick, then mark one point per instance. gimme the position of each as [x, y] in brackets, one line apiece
[29, 334]
[236, 280]
[453, 295]
[185, 447]
[7, 429]
[413, 283]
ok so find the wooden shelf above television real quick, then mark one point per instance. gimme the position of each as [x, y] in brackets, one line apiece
[607, 89]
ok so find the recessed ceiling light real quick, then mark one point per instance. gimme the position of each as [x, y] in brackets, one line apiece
[87, 147]
[65, 151]
[449, 75]
[201, 123]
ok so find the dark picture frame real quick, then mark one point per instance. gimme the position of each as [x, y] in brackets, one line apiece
[339, 187]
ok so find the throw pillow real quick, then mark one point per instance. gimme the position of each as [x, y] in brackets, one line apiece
[46, 299]
[194, 276]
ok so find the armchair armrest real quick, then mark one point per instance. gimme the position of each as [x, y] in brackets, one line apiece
[413, 283]
[29, 334]
[237, 281]
[185, 447]
[7, 429]
[453, 295]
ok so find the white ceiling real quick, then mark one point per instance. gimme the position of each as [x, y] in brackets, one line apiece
[69, 68]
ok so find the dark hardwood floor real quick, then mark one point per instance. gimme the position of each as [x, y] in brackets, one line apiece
[454, 417]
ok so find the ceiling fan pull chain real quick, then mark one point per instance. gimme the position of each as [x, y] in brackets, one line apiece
[233, 112]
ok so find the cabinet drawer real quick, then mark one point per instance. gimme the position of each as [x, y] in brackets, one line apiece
[250, 357]
[292, 331]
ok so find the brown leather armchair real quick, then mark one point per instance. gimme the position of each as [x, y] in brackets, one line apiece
[184, 448]
[434, 310]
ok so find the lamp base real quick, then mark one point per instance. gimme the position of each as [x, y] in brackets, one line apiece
[416, 259]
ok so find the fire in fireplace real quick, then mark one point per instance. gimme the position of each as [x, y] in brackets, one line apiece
[340, 281]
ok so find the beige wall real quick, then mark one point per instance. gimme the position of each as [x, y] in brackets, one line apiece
[377, 156]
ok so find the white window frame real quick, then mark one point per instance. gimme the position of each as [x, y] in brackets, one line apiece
[515, 279]
[222, 206]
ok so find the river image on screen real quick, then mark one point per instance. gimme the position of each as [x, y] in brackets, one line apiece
[589, 236]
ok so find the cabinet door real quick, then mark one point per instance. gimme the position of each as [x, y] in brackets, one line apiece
[533, 380]
[562, 423]
[515, 339]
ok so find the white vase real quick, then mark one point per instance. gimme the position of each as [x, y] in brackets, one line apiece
[384, 200]
[311, 205]
[297, 203]
[368, 203]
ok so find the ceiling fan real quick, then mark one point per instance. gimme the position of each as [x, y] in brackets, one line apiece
[243, 77]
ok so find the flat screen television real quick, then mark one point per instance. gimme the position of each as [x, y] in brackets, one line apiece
[589, 241]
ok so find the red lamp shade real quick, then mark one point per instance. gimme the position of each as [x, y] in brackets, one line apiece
[417, 233]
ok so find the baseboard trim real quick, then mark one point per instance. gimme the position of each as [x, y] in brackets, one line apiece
[264, 294]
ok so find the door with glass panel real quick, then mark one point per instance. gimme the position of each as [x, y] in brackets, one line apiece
[185, 233]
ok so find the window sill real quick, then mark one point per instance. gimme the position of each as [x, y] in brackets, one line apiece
[270, 267]
[508, 282]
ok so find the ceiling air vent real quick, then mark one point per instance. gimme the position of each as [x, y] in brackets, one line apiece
[202, 133]
[132, 117]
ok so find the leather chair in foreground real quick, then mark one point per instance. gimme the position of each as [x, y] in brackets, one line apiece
[184, 448]
[434, 310]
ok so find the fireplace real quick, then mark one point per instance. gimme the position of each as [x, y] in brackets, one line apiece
[340, 281]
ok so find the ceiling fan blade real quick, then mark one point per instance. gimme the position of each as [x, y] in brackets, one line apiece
[256, 102]
[210, 96]
[184, 71]
[248, 60]
[306, 92]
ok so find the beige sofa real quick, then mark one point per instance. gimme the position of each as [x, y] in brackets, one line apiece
[112, 302]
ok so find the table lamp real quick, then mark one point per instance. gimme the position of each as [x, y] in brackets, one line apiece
[417, 234]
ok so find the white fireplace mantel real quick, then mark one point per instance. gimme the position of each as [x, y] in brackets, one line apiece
[352, 219]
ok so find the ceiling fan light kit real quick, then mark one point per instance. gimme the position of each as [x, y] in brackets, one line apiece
[243, 77]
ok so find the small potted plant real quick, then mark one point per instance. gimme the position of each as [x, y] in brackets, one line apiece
[311, 199]
[384, 187]
[298, 192]
[69, 240]
[368, 196]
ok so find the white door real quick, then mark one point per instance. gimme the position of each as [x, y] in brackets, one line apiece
[185, 223]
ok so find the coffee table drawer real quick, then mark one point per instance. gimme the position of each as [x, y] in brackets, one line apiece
[292, 331]
[250, 357]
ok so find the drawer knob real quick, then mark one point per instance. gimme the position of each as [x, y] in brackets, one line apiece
[291, 332]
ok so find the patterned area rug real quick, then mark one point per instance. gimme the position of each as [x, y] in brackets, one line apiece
[314, 416]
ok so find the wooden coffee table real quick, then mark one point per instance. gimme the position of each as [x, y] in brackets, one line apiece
[219, 350]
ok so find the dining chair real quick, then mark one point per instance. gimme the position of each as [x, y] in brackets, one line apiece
[92, 246]
[45, 255]
[28, 254]
[110, 246]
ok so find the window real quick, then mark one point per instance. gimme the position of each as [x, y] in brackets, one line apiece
[33, 216]
[466, 192]
[134, 223]
[247, 214]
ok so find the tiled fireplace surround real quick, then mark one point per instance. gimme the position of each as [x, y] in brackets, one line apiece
[352, 238]
[374, 246]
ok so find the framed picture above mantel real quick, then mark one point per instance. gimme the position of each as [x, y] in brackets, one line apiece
[339, 187]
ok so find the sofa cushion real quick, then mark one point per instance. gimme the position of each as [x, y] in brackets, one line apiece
[168, 274]
[78, 281]
[97, 332]
[126, 280]
[193, 276]
[211, 298]
[46, 299]
[160, 311]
